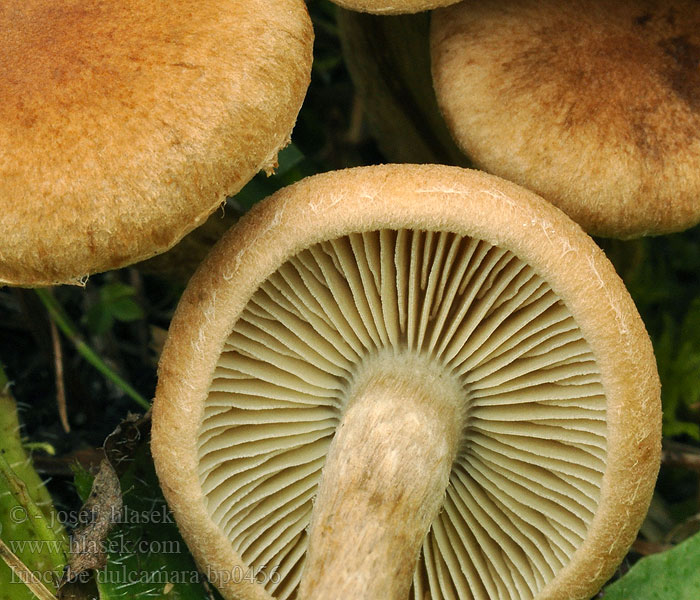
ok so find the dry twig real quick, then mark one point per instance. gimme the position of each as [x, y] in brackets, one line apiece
[60, 385]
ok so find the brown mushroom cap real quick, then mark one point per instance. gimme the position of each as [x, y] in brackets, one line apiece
[124, 124]
[559, 444]
[392, 7]
[593, 105]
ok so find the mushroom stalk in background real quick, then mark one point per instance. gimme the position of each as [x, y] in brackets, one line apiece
[389, 61]
[407, 379]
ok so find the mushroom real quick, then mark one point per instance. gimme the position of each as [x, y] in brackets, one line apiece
[593, 105]
[392, 7]
[402, 376]
[124, 124]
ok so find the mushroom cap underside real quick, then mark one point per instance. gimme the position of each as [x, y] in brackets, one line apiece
[124, 124]
[593, 105]
[560, 448]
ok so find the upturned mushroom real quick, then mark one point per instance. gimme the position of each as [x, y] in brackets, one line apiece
[125, 123]
[593, 105]
[404, 377]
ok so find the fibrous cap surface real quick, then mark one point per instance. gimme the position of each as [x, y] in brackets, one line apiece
[124, 124]
[593, 105]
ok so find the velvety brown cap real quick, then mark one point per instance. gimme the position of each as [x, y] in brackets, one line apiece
[125, 123]
[593, 105]
[266, 337]
[392, 7]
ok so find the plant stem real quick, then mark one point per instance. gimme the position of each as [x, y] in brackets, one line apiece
[24, 574]
[70, 331]
[60, 386]
[38, 520]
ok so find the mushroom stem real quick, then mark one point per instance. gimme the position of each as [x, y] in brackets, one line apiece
[384, 481]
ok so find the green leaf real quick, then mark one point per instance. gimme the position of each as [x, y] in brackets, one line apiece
[147, 557]
[98, 319]
[678, 357]
[82, 479]
[29, 524]
[292, 166]
[661, 274]
[671, 575]
[115, 290]
[126, 309]
[118, 299]
[116, 303]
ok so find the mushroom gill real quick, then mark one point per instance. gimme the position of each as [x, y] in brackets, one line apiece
[526, 478]
[407, 375]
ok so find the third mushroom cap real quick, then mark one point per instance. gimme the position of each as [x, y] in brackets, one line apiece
[593, 105]
[392, 7]
[407, 380]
